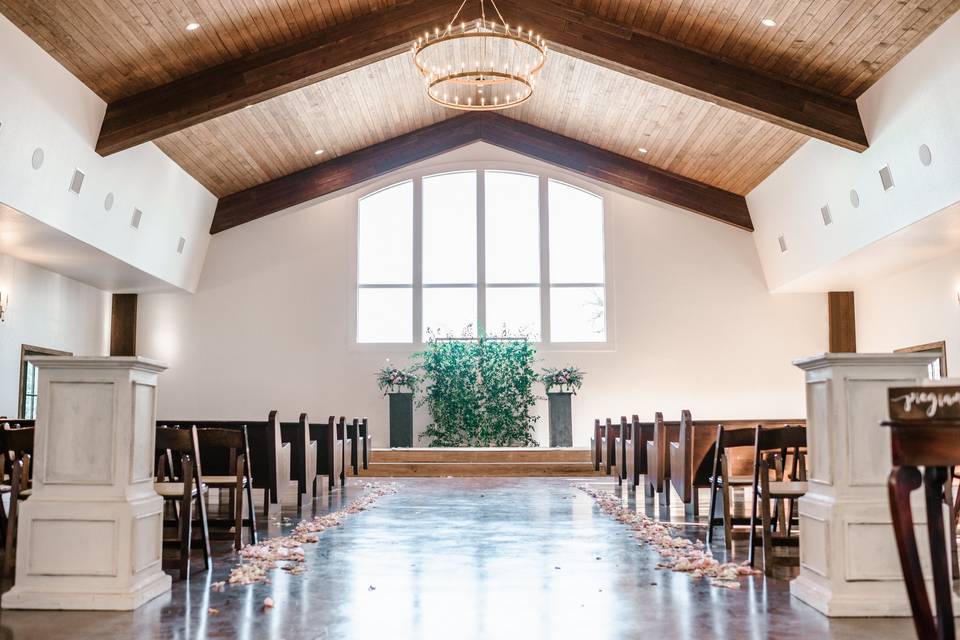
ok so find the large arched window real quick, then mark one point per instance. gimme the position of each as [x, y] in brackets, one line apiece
[468, 252]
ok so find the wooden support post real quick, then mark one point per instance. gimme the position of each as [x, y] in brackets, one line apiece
[843, 322]
[123, 325]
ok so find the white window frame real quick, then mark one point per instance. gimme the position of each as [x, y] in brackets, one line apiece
[544, 176]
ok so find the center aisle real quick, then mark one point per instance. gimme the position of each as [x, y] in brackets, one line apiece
[469, 559]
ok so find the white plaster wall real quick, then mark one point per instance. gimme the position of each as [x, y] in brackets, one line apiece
[913, 307]
[43, 105]
[693, 323]
[917, 102]
[46, 310]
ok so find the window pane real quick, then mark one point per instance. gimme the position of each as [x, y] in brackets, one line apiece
[385, 236]
[577, 314]
[576, 235]
[450, 228]
[512, 227]
[385, 315]
[449, 313]
[514, 312]
[30, 408]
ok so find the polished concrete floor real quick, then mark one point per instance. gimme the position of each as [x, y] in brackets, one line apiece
[465, 559]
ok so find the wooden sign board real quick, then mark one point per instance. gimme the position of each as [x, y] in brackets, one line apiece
[924, 403]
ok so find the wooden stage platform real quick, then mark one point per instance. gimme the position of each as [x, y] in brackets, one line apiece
[480, 462]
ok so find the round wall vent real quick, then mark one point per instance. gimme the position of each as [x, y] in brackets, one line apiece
[37, 160]
[854, 198]
[108, 202]
[926, 157]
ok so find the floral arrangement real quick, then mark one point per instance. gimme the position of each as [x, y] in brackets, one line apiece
[568, 379]
[390, 379]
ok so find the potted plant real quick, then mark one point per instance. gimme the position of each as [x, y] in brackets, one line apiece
[399, 385]
[561, 385]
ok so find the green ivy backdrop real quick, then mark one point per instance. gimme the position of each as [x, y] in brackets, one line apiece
[480, 393]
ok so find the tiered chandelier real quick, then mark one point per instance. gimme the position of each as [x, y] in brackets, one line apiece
[479, 65]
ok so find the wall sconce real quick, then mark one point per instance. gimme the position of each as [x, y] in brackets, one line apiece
[4, 303]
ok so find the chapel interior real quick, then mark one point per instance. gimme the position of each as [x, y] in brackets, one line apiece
[477, 319]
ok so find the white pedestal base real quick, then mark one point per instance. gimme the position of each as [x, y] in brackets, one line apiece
[848, 556]
[90, 536]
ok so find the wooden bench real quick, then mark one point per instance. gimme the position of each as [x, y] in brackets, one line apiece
[360, 442]
[269, 457]
[303, 456]
[329, 448]
[635, 450]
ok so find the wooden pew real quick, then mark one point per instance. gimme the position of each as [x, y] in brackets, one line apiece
[596, 444]
[270, 458]
[611, 431]
[635, 450]
[344, 437]
[691, 453]
[329, 448]
[658, 462]
[360, 441]
[303, 456]
[624, 434]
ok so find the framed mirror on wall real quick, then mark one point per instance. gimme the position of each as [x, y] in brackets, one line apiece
[27, 407]
[938, 368]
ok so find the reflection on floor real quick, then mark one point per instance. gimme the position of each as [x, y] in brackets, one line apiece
[463, 558]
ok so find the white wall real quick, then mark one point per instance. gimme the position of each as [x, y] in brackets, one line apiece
[917, 102]
[913, 307]
[694, 325]
[43, 106]
[51, 311]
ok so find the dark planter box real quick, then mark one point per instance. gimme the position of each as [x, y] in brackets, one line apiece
[561, 419]
[401, 420]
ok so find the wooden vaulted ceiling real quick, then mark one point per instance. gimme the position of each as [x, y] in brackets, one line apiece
[712, 96]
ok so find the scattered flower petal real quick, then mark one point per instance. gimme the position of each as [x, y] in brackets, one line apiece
[676, 553]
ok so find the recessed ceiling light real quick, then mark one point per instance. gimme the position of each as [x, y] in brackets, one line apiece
[193, 26]
[768, 22]
[642, 150]
[318, 152]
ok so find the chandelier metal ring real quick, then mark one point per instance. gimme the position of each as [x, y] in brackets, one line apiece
[480, 65]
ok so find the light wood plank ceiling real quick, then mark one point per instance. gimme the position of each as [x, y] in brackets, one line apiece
[841, 46]
[687, 136]
[122, 47]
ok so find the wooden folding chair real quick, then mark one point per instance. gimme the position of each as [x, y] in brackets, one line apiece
[772, 448]
[226, 458]
[723, 480]
[182, 486]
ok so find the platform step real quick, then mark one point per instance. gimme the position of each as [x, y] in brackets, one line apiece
[478, 469]
[485, 455]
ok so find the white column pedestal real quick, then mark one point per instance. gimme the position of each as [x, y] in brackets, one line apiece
[90, 536]
[848, 556]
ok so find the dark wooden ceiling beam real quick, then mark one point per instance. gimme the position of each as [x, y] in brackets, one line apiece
[577, 33]
[266, 74]
[380, 159]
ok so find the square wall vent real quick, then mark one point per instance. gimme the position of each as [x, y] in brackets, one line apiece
[825, 214]
[783, 244]
[135, 220]
[886, 177]
[181, 244]
[76, 183]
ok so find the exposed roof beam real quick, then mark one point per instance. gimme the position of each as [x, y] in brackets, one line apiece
[380, 159]
[259, 76]
[577, 33]
[233, 85]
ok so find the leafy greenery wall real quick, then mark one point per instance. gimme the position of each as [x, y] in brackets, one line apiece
[480, 393]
